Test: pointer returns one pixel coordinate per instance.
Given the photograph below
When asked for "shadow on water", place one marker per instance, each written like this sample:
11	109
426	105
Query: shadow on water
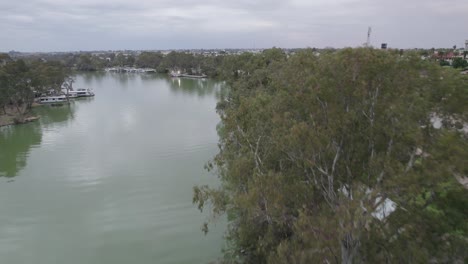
90	77
15	144
124	80
151	76
56	115
17	141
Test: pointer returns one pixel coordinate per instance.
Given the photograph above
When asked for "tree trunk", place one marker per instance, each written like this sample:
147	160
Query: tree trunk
348	249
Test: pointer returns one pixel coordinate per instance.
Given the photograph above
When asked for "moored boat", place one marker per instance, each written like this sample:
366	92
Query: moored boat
52	99
82	92
70	93
178	74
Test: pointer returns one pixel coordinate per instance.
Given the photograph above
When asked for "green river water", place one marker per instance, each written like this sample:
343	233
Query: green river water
109	179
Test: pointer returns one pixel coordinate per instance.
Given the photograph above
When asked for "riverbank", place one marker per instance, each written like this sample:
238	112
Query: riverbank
12	117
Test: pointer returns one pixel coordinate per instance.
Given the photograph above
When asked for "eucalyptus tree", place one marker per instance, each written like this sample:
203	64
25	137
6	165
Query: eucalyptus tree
16	85
149	60
333	158
19	82
4	90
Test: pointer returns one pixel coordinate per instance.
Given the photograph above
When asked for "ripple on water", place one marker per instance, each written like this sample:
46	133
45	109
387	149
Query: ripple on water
83	178
180	151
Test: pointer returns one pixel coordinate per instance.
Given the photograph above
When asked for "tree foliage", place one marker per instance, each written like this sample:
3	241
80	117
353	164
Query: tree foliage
149	60
459	63
313	146
19	82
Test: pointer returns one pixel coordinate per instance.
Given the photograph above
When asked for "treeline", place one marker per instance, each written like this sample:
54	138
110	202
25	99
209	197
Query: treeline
210	65
162	63
180	61
334	158
20	81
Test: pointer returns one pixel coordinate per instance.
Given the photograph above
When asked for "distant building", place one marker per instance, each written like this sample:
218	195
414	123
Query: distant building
383	46
466	44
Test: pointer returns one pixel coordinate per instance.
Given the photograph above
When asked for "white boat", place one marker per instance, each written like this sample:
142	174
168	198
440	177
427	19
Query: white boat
178	74
52	99
130	69
70	93
82	92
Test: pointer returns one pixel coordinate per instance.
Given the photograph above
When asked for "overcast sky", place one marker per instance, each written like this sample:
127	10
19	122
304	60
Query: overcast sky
67	25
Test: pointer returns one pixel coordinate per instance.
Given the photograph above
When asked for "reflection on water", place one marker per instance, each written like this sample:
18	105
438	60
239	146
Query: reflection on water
50	115
190	86
88	78
199	87
17	141
124	79
15	144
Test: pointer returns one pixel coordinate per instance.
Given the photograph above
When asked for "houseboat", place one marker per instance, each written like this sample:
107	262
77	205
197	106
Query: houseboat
183	75
59	99
82	92
70	93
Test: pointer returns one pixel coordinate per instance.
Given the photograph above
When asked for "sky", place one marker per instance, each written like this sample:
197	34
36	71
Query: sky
73	25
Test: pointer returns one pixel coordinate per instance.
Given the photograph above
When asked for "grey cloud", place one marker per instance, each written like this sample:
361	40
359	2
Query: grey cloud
47	25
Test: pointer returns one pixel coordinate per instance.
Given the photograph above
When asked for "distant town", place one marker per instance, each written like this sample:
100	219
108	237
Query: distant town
218	52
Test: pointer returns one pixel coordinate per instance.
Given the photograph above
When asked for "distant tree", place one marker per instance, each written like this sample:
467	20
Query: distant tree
130	61
179	61
4	58
149	60
443	62
85	63
424	53
119	60
459	63
98	63
111	56
48	76
441	54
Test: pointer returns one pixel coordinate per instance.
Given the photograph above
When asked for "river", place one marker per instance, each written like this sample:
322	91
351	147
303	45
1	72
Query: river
109	179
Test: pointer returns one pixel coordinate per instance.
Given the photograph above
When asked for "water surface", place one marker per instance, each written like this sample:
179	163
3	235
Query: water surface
109	179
